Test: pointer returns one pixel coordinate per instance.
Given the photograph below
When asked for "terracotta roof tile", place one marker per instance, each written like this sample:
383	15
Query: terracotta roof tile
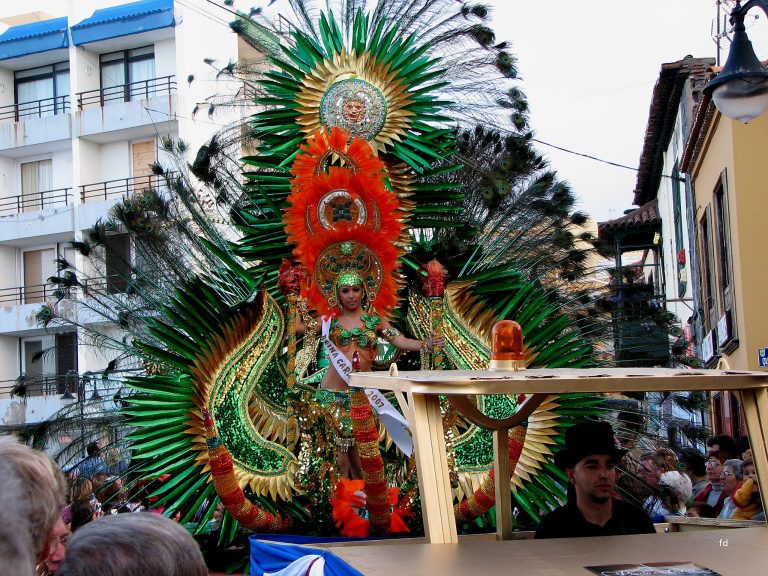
661	121
647	214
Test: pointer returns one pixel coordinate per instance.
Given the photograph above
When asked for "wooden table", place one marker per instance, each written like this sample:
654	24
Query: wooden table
740	552
418	394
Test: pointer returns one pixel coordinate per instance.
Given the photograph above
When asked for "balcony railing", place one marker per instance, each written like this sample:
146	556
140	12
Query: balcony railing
40	293
35	108
35	201
110	284
127	92
45	385
80	386
123	187
33	294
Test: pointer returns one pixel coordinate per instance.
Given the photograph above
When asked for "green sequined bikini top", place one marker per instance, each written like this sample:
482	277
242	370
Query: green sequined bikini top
364	337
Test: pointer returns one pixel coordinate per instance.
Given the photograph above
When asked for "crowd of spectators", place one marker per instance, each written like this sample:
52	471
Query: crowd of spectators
53	525
47	527
721	484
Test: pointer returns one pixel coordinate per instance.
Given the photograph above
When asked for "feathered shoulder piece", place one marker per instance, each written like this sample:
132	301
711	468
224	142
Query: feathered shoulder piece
342	218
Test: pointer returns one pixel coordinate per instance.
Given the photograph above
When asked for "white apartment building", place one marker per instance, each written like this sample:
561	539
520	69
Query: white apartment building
85	100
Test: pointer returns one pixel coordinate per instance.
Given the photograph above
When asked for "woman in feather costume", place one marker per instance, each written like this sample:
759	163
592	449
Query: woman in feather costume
356	176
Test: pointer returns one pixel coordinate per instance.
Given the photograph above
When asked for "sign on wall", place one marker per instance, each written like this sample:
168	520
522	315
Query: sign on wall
708	347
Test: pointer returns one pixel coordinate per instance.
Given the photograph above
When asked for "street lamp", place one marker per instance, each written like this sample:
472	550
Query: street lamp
740	91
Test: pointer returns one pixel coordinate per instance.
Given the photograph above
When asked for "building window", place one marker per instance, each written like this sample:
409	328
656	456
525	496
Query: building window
46	362
679	231
42	91
708	270
128	74
118	262
717	272
39	265
727	309
36	179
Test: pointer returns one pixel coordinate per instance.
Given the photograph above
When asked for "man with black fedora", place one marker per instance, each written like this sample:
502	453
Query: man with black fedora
589	458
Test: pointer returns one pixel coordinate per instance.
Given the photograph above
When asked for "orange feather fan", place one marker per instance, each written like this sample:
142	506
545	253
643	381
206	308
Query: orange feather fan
381	207
330	205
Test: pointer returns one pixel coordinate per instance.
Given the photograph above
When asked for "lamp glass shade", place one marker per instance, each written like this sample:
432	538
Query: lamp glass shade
742	99
507	341
740	90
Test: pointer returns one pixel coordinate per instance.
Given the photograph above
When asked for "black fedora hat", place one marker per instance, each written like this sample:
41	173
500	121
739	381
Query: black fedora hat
586	439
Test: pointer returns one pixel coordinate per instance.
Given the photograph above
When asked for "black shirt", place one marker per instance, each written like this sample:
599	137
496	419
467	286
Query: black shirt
568	522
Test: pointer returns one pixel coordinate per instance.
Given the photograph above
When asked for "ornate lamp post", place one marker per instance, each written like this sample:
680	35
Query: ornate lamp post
740	90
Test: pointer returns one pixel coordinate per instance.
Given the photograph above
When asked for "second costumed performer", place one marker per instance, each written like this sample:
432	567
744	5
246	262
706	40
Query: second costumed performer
346	227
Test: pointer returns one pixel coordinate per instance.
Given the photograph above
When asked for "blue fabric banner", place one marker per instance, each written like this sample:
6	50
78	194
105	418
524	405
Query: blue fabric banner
268	559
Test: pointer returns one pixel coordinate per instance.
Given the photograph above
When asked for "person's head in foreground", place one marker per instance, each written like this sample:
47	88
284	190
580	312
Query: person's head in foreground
15	539
40	490
139	544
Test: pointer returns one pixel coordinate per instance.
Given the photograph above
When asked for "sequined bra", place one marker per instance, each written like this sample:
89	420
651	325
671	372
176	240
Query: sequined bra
364	338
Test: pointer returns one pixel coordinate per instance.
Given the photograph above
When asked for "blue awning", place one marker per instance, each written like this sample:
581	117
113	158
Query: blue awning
33	38
123	20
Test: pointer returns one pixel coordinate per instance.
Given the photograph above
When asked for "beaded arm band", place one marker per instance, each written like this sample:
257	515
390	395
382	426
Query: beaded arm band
390	333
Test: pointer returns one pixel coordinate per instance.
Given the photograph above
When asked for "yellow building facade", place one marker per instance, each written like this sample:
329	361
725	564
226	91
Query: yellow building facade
728	162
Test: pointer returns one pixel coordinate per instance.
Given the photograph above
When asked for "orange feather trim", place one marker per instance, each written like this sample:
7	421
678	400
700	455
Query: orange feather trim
323	147
301	218
344	504
349	498
397	519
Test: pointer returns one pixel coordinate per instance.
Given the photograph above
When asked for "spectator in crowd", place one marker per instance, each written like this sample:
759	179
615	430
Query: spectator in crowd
731	476
693	463
722	446
81	489
652	466
675	489
109	491
747	496
59	537
93	464
82	513
713	493
700	510
15	534
133	545
589	459
751	472
42	495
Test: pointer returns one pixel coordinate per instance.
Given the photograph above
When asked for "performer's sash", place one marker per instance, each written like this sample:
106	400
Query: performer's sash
393	421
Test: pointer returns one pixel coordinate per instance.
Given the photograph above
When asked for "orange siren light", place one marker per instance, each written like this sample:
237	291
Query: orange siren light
507	352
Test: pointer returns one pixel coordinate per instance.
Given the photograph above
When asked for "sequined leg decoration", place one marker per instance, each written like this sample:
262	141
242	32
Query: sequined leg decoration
223	473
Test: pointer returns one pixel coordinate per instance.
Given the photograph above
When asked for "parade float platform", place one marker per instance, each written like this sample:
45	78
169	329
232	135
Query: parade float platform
742	552
442	551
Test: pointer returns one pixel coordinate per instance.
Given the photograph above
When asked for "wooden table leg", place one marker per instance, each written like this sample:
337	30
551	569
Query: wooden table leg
504	520
432	469
755	404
